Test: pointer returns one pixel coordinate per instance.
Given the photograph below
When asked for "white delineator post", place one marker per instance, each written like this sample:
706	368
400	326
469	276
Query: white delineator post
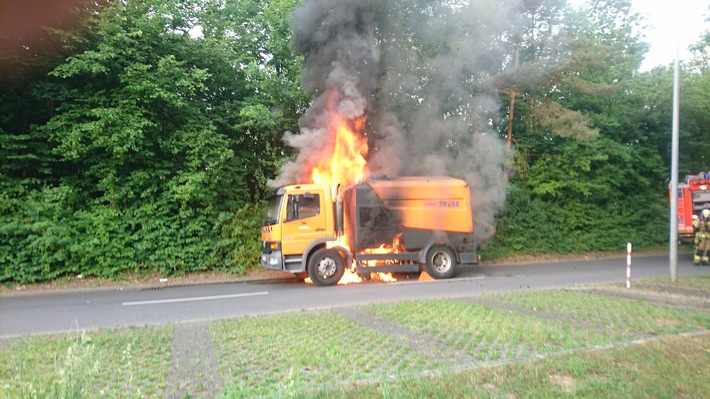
628	265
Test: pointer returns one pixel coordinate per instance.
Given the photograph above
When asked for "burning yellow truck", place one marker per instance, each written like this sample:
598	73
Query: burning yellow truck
398	225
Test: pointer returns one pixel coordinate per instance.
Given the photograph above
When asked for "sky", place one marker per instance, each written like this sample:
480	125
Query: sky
670	22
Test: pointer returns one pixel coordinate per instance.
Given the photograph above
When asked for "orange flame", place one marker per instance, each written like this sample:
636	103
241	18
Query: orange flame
394	248
345	164
351	277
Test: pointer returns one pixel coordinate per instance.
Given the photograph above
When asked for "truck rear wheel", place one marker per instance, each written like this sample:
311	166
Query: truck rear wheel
326	267
440	262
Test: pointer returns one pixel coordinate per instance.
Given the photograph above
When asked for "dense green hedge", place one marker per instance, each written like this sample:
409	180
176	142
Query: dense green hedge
43	237
533	226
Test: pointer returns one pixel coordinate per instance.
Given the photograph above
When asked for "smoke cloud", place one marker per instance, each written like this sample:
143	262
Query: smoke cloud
341	53
415	69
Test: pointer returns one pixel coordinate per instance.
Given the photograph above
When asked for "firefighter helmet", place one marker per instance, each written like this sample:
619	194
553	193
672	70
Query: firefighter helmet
706	213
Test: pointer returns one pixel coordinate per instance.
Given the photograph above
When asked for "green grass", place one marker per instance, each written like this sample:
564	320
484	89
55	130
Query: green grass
273	355
123	363
670	368
609	317
536	344
698	282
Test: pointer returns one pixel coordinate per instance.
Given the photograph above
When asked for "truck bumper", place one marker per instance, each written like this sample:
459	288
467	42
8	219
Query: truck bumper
273	260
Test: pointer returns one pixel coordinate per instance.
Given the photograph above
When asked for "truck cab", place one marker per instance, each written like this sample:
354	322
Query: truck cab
298	217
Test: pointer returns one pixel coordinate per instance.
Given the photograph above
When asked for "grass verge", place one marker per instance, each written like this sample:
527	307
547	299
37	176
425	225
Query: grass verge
669	368
555	343
123	363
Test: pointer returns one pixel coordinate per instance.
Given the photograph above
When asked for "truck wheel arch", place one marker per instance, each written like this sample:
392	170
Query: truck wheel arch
322	243
446	243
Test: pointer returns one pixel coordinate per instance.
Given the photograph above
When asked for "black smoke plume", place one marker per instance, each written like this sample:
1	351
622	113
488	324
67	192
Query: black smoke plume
414	68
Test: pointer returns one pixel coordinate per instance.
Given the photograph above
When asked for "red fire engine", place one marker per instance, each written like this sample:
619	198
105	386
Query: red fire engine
693	197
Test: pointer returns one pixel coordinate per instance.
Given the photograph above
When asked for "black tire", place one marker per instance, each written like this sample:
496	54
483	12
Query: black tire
326	267
440	262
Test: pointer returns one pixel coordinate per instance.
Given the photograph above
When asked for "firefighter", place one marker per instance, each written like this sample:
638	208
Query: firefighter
702	252
696	239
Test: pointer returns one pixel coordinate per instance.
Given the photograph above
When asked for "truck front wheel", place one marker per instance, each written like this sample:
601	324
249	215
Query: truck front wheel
326	267
440	262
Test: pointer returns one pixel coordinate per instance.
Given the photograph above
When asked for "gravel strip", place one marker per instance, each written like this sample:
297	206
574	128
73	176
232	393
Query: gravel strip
194	370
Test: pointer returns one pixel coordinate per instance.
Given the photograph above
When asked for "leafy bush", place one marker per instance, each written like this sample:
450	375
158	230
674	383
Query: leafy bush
43	237
535	226
240	243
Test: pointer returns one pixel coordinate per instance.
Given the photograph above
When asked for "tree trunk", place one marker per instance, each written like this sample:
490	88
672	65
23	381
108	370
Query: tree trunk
511	114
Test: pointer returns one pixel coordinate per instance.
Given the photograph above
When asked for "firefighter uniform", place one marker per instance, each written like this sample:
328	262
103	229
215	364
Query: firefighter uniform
696	241
702	252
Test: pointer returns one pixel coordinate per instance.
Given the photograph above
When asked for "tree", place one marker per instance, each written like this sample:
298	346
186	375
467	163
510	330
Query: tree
578	195
694	150
157	145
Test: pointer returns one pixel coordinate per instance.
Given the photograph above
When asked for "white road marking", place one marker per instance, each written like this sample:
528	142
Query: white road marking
193	299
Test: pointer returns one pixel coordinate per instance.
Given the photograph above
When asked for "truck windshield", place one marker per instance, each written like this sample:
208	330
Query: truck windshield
272	210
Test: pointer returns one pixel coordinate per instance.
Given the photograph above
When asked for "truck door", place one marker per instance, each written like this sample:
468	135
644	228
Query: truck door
305	221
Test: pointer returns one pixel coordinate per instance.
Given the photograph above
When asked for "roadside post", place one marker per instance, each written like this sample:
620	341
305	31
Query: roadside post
628	265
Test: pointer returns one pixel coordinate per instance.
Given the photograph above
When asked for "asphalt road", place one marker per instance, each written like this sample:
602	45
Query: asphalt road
62	312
